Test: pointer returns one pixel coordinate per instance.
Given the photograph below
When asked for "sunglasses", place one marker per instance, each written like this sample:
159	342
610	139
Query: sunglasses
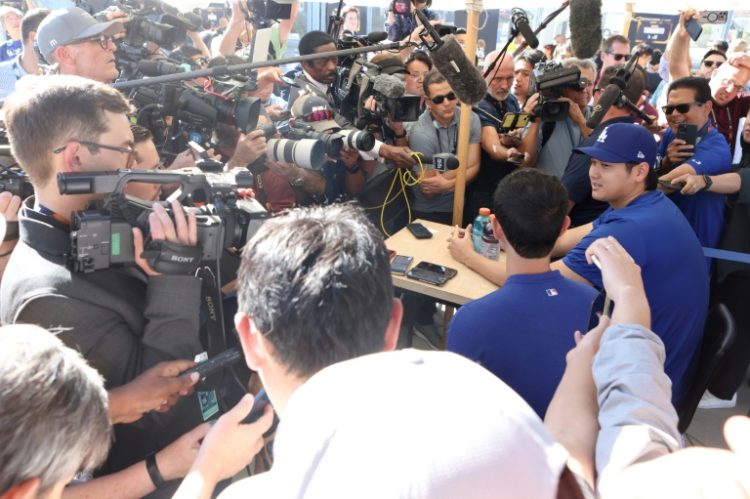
319	115
440	98
619	57
102	39
680	108
710	64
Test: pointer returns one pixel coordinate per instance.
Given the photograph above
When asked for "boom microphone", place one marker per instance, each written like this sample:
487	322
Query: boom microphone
450	60
585	27
610	96
159	68
521	22
390	86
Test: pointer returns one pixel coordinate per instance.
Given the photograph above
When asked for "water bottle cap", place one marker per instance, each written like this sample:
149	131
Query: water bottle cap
484	211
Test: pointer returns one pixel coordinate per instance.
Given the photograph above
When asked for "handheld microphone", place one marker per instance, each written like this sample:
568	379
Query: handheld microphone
159	68
443	161
585	27
521	22
451	61
613	94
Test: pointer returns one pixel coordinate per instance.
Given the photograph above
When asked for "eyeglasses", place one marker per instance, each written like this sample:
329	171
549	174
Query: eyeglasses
710	64
619	57
102	39
129	150
596	90
440	98
680	108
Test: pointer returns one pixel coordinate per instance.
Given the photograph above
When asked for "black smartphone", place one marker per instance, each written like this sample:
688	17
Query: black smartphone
516	158
419	231
259	403
669	185
602	306
400	263
694	29
687	132
431	273
216	363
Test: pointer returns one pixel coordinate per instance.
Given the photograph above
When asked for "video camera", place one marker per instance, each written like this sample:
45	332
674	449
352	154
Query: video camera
15	181
550	79
266	12
102	238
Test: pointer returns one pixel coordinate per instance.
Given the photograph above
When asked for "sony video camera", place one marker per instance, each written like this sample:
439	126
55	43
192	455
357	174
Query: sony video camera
102	238
550	79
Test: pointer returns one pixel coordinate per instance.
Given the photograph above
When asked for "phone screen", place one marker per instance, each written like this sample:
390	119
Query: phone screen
400	263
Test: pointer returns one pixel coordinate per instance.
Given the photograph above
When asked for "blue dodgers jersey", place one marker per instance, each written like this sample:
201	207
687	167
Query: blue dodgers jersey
704	210
659	238
522	332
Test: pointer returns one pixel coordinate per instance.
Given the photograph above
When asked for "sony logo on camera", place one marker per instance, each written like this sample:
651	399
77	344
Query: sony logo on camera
182	259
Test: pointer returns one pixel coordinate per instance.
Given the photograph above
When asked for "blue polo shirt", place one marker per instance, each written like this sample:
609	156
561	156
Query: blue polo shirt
704	210
522	331
660	240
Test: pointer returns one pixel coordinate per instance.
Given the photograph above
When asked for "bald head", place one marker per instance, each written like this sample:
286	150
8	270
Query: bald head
500	79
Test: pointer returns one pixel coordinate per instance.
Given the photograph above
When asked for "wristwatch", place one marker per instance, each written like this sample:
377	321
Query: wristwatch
708	182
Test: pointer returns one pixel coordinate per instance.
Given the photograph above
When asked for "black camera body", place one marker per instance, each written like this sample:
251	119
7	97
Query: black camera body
265	12
550	79
102	238
15	181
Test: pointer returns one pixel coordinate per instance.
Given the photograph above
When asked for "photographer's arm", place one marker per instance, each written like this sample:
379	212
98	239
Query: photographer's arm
9	206
198	43
228	44
173	462
678	47
492	145
285	25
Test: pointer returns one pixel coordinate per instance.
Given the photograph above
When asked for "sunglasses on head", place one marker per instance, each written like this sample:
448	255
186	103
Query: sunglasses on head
619	57
680	108
438	99
318	115
710	64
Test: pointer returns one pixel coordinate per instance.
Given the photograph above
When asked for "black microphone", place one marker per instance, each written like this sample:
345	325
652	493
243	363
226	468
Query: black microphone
585	27
443	161
610	96
521	22
450	60
376	37
159	68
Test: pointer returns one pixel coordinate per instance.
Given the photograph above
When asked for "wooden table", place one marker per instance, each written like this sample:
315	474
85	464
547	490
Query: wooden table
466	286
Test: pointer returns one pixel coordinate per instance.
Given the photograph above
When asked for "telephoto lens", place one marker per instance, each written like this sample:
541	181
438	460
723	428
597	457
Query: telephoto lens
357	139
307	153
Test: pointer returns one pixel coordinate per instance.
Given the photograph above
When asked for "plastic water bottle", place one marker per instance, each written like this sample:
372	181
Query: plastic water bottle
477	228
490	245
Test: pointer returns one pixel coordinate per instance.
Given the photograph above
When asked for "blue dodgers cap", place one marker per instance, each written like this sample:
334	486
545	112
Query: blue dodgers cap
623	143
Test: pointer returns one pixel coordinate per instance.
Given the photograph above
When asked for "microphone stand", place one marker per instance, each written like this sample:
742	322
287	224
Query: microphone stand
541	27
225	70
334	23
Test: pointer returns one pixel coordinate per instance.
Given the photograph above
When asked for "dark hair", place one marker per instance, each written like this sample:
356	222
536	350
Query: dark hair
607	44
531	207
140	134
530	57
721	46
652	180
431	78
317	283
655	57
31	21
640	49
312	40
189	50
636	84
421	56
696	83
713	52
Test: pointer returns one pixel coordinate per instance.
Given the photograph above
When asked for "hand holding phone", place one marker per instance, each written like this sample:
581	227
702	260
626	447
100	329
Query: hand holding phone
694	29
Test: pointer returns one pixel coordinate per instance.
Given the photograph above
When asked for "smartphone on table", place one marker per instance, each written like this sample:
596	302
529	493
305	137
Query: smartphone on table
431	273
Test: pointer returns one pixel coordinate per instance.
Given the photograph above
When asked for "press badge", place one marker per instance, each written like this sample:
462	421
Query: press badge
207	400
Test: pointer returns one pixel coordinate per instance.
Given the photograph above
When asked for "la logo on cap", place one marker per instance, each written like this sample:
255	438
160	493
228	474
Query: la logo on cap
641	155
603	137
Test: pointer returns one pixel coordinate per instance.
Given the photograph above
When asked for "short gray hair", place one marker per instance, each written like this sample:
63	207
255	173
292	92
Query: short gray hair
573	62
54	419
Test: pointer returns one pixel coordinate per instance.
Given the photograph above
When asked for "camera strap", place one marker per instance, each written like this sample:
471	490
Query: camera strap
172	258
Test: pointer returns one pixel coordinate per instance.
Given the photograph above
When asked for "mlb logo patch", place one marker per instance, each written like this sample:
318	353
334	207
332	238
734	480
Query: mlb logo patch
551	292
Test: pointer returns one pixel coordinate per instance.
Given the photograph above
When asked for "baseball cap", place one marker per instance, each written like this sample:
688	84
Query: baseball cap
70	25
623	143
308	106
